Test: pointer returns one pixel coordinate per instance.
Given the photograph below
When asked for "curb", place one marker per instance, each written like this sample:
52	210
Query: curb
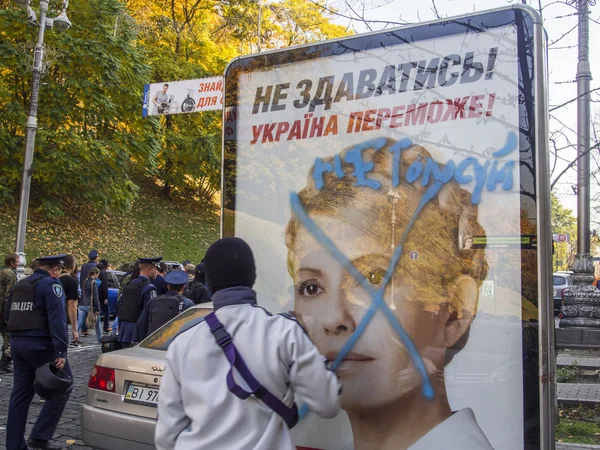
574	402
569	445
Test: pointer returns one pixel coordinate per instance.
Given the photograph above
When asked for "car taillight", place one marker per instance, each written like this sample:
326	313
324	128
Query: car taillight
102	378
562	294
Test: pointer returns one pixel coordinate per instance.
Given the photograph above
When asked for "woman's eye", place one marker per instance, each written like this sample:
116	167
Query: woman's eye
309	288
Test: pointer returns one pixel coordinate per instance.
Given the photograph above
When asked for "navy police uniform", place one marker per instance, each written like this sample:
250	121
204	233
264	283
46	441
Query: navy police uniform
160	284
134	298
165	307
85	269
35	313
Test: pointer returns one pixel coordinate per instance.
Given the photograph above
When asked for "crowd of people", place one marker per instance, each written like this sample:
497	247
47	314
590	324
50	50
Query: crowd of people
281	359
86	295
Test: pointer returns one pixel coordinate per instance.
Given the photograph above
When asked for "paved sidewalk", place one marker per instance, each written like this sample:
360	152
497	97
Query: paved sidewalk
573	394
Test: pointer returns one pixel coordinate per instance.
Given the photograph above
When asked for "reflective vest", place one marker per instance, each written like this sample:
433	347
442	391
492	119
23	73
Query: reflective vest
24	314
131	301
164	308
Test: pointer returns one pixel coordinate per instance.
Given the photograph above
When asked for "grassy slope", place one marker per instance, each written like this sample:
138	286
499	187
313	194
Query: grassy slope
154	226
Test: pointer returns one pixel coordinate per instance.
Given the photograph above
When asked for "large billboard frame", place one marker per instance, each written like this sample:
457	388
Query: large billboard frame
528	20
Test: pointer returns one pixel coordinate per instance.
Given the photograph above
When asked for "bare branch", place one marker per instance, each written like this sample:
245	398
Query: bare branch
572	164
335	13
362	19
435	10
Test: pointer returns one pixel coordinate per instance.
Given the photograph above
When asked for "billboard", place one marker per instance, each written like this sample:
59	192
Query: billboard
392	187
187	96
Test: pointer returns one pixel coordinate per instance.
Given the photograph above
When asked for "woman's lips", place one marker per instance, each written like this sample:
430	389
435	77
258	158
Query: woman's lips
350	362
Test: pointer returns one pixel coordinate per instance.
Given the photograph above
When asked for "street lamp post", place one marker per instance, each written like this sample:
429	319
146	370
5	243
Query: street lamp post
581	307
61	23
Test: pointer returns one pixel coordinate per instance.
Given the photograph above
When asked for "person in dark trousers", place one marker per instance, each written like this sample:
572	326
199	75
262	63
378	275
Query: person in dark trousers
165	307
159	282
83	274
72	296
37	323
196	290
135	297
103	293
90	301
8	278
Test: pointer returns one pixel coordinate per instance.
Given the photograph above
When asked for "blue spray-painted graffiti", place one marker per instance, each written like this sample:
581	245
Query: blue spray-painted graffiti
428	170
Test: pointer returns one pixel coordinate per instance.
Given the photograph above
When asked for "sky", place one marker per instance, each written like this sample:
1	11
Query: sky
559	18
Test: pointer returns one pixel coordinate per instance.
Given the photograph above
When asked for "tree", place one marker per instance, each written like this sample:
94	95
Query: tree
90	127
92	142
563	222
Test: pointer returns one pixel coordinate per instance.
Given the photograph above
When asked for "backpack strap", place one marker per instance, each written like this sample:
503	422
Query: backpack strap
223	338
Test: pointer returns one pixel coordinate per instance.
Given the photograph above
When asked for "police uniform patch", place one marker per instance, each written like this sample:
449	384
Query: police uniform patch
57	289
152	293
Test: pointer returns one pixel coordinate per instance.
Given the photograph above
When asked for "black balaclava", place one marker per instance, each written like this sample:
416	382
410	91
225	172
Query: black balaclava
228	263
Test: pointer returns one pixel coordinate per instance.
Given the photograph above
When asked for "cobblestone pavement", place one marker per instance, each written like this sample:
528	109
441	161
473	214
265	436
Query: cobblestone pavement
82	360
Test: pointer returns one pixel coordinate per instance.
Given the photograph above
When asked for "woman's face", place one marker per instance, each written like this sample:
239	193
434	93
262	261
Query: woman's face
330	303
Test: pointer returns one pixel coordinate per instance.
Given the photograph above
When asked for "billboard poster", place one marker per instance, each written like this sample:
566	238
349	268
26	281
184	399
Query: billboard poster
187	96
388	185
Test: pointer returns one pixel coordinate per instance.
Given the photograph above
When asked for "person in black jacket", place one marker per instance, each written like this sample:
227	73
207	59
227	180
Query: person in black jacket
35	312
159	282
161	309
90	303
196	290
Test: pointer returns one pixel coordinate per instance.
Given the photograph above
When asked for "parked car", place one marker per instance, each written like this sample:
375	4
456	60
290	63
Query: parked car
128	267
122	396
114	283
560	281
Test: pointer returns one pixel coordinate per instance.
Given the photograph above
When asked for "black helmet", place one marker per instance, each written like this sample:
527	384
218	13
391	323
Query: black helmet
51	382
110	344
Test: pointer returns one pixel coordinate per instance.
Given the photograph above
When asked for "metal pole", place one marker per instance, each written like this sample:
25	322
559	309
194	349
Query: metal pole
581	304
30	136
584	76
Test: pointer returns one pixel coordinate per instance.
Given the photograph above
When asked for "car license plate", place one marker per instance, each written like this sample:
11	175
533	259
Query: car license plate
145	395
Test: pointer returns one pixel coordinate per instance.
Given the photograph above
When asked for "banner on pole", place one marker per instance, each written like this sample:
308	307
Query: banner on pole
187	96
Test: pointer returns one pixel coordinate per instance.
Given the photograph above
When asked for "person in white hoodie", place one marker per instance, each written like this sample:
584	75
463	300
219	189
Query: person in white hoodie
232	380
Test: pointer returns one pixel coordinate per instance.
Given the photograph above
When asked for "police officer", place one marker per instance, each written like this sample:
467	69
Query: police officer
85	269
135	297
36	318
163	308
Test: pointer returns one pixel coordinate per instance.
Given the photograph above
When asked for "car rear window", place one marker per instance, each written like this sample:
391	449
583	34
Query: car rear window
558	281
113	282
162	338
